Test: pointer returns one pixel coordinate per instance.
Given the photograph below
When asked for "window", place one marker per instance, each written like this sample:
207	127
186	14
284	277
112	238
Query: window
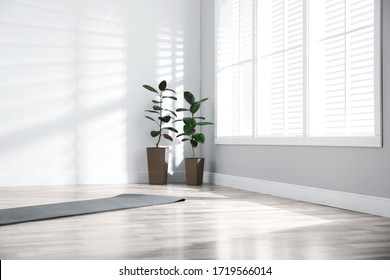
298	72
236	66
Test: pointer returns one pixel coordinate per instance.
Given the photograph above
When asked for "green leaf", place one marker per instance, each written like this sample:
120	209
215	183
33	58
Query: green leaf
203	100
167	136
191	122
204	123
194	107
150	88
150	111
177	120
199	137
194	144
165	119
150	118
171	97
181	134
185	139
170	90
156	102
200	118
173	113
157	108
163	85
181	110
154	133
188	96
171	129
189	130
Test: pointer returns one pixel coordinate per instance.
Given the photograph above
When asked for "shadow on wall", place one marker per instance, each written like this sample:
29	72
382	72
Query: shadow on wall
70	75
170	67
63	76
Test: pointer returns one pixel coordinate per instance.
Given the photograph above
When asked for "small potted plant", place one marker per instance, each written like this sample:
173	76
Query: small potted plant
162	117
194	166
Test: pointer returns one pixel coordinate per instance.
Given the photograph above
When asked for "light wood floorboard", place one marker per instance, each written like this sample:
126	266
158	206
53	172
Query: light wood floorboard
213	223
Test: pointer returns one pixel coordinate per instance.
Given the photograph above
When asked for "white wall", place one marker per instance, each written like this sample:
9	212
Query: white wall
71	101
362	171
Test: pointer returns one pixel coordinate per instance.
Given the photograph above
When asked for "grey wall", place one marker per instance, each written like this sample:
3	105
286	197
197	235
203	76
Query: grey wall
355	170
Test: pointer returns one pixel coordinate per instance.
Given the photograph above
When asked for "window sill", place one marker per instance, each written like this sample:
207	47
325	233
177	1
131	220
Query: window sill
369	141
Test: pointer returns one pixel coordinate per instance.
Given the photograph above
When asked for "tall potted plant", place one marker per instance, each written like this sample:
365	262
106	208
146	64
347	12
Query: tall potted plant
158	156
191	134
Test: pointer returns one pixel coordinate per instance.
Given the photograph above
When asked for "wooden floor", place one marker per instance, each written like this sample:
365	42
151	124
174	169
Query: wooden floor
213	223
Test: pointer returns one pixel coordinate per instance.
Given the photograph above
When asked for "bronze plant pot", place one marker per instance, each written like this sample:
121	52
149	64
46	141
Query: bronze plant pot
157	165
194	171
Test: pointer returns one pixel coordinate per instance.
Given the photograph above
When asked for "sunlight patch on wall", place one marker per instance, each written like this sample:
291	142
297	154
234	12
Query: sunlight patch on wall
170	67
62	82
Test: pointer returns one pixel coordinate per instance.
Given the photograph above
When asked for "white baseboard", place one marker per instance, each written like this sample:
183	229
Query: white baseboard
356	202
82	179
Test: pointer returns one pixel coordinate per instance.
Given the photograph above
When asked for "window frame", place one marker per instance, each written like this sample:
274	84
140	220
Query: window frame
330	141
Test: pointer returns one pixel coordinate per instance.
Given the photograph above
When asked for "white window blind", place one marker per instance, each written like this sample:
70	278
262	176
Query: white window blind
342	66
235	67
280	91
298	69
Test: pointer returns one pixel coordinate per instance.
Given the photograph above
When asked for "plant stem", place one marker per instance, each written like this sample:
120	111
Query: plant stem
193	148
159	137
160	125
193	152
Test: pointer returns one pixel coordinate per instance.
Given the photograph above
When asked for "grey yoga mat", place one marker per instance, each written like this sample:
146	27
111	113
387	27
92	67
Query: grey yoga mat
74	208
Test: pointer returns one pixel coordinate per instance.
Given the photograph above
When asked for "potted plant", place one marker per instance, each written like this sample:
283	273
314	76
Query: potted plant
194	166
158	156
